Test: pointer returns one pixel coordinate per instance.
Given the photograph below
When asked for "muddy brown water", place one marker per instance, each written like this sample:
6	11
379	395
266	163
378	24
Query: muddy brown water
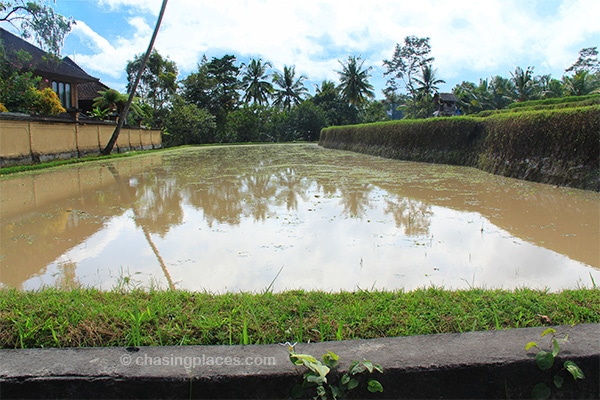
282	217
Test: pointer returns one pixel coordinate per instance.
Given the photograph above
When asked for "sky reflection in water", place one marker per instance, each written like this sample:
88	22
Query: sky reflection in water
285	217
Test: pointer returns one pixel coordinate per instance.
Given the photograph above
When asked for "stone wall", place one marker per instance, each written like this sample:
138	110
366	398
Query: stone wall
28	140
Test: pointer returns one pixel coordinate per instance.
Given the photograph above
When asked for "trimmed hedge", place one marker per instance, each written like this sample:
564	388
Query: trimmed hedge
441	140
559	146
556	100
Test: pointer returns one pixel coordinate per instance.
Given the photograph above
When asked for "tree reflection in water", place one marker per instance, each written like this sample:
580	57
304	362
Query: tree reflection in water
328	216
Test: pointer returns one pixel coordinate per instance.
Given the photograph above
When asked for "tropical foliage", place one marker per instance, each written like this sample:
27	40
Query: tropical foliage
19	88
36	19
227	101
354	82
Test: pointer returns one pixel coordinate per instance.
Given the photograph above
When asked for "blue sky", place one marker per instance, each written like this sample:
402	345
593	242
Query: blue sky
470	39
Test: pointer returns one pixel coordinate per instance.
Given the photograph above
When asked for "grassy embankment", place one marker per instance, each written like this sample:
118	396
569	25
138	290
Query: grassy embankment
549	141
89	317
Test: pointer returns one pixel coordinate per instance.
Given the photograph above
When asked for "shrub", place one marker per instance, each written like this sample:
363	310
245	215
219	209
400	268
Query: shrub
188	124
2	108
46	102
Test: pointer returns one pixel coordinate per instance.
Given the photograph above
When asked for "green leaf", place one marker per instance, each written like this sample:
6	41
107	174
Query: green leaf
345	379
330	359
303	357
558	381
356	368
530	345
555	347
374	386
336	392
352	384
544	360
368	365
548	331
320	369
378	367
574	370
321	392
541	391
319	380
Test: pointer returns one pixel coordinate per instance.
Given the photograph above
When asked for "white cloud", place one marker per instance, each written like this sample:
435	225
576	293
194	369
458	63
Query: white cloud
470	39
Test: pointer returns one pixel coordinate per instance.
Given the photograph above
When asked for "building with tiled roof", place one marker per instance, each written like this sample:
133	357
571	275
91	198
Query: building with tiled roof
64	76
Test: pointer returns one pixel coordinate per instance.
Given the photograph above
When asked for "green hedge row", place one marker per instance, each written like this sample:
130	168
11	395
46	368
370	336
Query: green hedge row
555	100
582	101
559	146
441	140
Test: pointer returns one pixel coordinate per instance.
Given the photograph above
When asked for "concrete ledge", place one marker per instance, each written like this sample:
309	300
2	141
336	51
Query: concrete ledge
490	364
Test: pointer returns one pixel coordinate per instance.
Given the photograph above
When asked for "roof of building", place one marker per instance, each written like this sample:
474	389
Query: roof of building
42	62
89	90
449	97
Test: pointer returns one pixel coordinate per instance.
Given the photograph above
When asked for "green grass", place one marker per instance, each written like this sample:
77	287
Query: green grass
56	163
89	317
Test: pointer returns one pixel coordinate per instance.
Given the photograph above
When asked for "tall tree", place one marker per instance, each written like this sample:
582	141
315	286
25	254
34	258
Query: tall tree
35	18
354	81
427	85
289	91
214	87
407	61
406	64
524	83
337	111
587	61
158	83
581	83
121	121
255	82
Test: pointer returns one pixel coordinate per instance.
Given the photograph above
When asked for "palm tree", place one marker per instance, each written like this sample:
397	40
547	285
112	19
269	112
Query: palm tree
428	84
500	90
354	82
254	82
524	83
113	139
290	91
580	84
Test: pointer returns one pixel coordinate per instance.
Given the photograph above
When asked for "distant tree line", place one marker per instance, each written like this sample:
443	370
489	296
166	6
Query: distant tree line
225	101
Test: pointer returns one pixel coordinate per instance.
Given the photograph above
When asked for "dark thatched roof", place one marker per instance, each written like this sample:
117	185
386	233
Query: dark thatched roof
445	97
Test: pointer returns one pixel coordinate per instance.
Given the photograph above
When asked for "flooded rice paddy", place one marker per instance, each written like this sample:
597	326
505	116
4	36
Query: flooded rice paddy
282	217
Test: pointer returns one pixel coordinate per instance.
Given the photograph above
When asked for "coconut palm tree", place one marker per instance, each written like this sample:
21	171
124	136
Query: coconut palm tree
354	82
113	139
524	83
581	83
428	83
254	82
289	90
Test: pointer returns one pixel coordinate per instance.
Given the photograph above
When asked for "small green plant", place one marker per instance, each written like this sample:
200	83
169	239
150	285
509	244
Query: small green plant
137	319
100	113
318	384
545	361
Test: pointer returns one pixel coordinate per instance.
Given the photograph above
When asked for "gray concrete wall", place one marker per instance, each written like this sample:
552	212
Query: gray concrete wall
491	364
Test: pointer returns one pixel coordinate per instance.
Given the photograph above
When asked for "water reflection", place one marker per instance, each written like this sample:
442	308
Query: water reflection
229	218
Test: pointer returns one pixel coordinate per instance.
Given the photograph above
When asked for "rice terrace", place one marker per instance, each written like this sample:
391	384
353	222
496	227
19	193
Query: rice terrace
231	227
289	217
